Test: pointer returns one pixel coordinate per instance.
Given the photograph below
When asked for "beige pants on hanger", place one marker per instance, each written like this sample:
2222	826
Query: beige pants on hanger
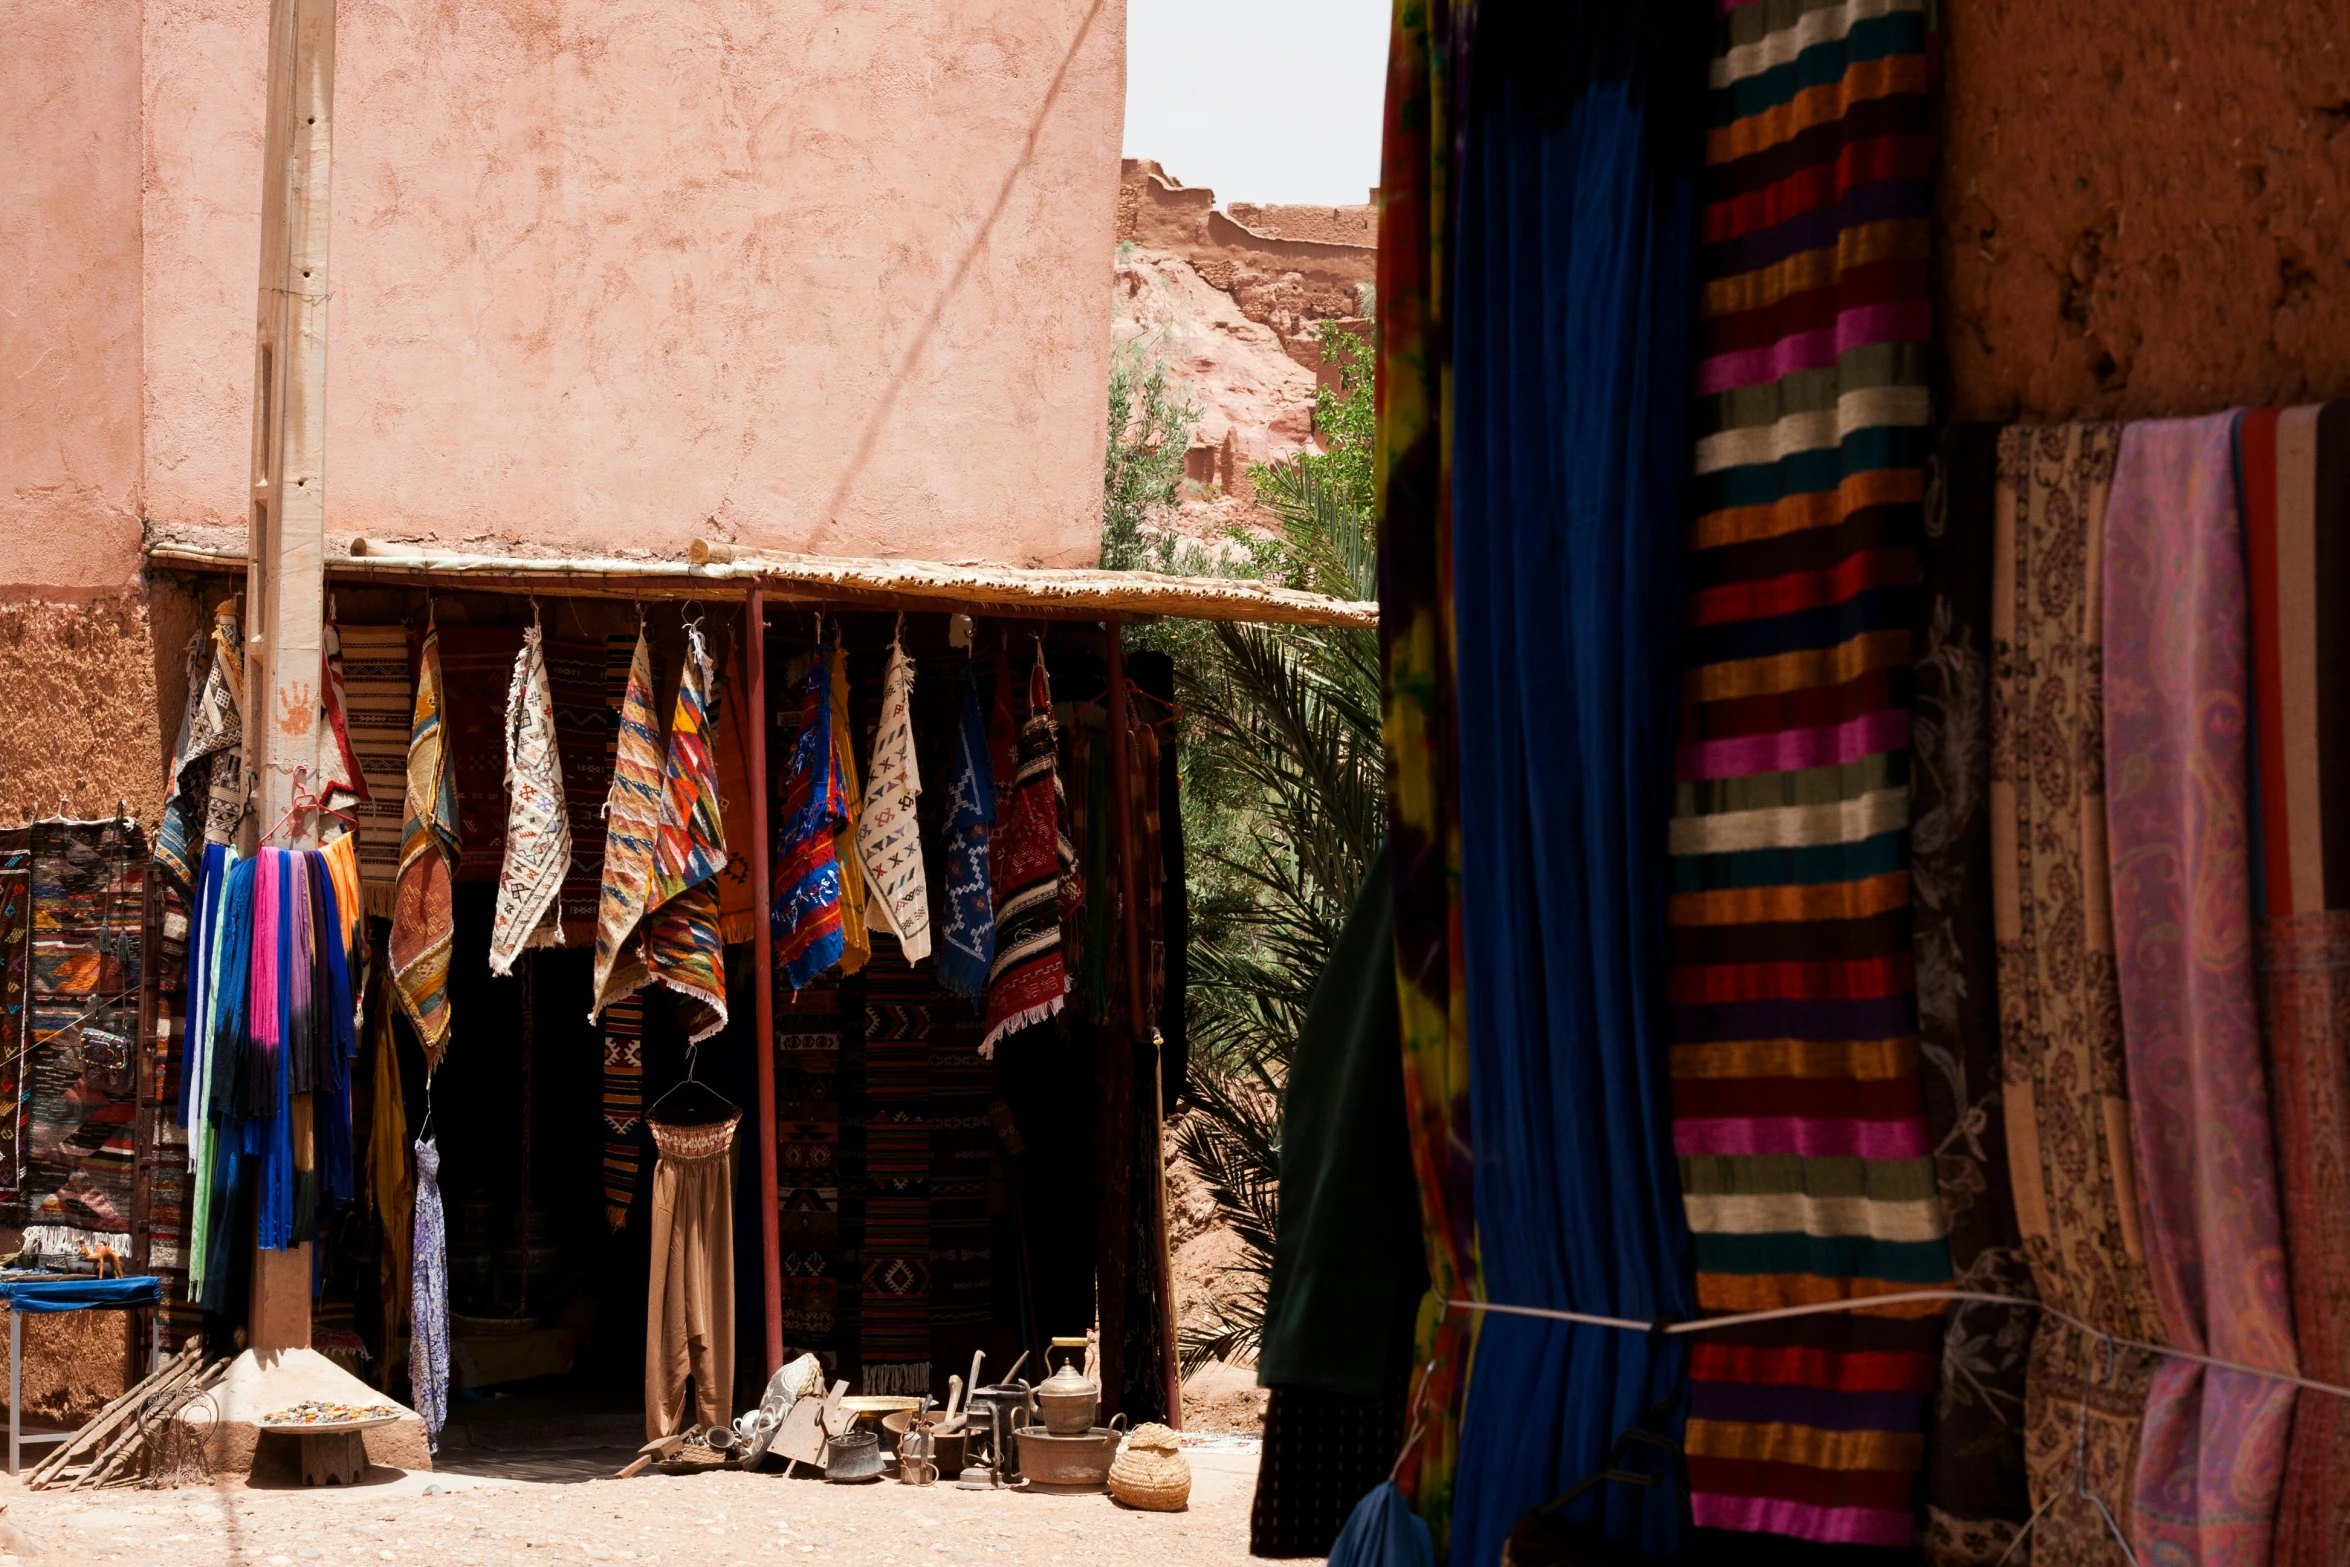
689	1304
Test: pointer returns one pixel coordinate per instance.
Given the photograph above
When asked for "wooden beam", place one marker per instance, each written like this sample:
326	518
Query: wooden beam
285	585
763	970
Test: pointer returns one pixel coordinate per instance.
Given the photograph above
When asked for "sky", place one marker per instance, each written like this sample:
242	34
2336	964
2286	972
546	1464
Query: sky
1265	100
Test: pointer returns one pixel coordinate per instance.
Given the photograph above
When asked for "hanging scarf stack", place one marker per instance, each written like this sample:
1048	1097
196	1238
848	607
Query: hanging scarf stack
538	830
423	918
967	941
632	830
1028	983
805	919
888	848
683	947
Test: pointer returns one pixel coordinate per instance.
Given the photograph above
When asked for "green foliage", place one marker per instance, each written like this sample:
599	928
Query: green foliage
1284	808
1142	466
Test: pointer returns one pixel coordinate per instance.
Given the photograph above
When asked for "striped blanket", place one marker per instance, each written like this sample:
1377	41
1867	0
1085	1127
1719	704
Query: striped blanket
1029	983
1797	1114
378	703
632	825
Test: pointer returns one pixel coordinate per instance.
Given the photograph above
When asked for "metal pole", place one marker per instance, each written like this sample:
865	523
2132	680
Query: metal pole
763	960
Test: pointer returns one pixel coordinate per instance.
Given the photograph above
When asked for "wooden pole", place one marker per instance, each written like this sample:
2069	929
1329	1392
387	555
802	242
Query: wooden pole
763	960
285	593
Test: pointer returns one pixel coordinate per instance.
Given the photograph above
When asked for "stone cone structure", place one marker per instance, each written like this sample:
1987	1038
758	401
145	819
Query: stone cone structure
260	1382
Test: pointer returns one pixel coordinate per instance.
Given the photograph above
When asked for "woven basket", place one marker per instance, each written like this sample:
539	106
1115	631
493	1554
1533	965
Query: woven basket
1151	1473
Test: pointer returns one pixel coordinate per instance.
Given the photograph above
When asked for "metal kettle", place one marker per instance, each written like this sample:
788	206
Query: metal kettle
1068	1400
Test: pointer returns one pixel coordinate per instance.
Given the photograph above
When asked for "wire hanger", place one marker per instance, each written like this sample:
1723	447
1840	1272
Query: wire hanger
2080	1474
715	1106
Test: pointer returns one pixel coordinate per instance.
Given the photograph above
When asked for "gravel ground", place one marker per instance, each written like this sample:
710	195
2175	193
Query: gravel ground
711	1519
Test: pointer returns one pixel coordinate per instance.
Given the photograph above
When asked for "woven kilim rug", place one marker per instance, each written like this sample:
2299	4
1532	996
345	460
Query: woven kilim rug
477	666
807	1158
81	1092
893	1329
584	724
962	1160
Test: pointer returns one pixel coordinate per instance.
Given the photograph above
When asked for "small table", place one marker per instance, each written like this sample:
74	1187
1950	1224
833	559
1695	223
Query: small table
46	1297
333	1452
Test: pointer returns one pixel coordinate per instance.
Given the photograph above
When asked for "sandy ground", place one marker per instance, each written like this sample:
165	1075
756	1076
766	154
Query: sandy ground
708	1519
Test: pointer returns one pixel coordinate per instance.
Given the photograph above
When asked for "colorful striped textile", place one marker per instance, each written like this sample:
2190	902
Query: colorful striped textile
2211	1460
632	827
1029	983
2294	471
805	916
424	920
1977	1498
2063	1072
379	708
856	941
684	951
1417	180
889	845
691	847
966	934
538	827
1798	1115
624	1104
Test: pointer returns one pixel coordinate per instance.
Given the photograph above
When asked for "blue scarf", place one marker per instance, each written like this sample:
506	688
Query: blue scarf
966	947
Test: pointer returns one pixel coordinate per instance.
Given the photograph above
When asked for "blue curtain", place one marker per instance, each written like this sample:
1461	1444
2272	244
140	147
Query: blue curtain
1572	378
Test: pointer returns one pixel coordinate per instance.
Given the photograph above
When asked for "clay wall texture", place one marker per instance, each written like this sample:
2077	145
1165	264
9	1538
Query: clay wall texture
2144	208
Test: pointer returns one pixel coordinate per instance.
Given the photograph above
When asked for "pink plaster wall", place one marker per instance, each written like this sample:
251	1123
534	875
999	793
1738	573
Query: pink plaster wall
617	273
69	298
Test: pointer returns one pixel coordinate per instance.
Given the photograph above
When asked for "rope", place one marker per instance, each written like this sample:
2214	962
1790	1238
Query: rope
1904	1297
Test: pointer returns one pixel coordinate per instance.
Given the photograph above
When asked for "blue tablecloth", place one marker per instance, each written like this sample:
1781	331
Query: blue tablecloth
39	1296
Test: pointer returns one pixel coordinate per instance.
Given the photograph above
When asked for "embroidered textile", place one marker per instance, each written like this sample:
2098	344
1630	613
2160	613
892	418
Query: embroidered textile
343	783
856	944
1028	983
966	937
805	919
2177	679
2294	472
538	830
888	841
2064	1078
423	917
624	1104
80	1073
379	708
632	826
428	1310
1976	1494
1798	1114
1418	182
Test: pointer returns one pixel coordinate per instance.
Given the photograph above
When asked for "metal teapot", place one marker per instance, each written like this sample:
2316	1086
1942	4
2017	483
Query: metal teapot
1068	1400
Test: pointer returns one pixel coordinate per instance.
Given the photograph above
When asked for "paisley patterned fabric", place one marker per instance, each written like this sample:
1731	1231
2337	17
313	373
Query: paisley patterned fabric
2062	1067
428	1302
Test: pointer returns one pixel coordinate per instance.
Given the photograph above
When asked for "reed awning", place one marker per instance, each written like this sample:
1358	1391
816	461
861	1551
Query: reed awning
718	571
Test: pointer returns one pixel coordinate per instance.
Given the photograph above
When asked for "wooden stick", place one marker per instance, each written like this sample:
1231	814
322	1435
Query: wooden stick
132	1432
125	1445
112	1415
